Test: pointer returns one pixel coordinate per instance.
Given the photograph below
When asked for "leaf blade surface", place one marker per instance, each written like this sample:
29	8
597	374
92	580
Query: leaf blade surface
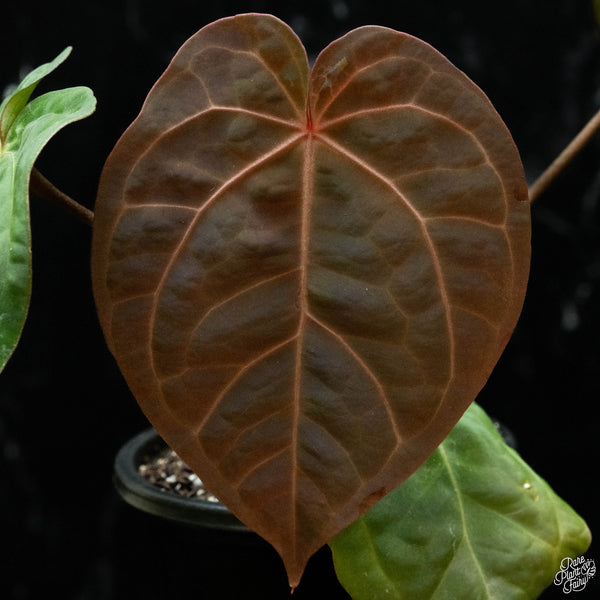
296	310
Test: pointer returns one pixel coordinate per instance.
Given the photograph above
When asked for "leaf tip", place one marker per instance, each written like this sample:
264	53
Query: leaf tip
65	53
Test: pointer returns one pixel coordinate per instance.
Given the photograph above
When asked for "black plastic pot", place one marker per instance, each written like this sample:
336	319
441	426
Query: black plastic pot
140	493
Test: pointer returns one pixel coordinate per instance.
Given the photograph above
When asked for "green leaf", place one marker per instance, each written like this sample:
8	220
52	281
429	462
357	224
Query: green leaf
473	522
26	128
14	103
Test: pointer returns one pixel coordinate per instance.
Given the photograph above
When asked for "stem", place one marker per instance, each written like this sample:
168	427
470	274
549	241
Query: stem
42	187
564	158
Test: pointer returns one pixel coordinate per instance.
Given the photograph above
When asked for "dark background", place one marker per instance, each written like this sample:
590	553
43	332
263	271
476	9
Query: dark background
64	408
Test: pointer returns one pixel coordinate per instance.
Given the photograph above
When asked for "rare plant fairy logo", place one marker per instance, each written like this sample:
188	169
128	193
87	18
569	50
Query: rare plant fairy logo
574	574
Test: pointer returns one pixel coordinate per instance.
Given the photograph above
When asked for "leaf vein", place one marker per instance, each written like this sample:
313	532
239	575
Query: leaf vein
463	518
237	294
368	66
266	67
243	369
426	236
193	223
366	369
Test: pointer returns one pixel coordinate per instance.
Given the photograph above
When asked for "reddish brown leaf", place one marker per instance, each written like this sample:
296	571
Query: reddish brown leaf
307	278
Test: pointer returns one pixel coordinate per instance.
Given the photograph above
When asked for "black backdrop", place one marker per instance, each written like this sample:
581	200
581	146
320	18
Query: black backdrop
64	408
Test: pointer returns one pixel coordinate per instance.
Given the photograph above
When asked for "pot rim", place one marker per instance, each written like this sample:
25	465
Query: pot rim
137	491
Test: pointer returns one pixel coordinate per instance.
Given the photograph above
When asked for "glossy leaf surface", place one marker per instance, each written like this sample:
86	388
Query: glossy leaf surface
473	522
25	128
306	277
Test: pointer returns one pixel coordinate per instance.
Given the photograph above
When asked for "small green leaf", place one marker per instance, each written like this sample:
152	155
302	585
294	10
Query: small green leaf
14	103
473	522
26	128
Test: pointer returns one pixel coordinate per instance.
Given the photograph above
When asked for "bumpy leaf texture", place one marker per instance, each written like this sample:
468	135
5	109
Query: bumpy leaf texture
306	276
490	528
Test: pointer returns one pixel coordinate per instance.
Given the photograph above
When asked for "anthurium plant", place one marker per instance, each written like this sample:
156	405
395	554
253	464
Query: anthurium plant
306	275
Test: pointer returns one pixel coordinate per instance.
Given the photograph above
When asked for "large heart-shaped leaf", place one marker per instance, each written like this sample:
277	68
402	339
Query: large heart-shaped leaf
473	522
306	277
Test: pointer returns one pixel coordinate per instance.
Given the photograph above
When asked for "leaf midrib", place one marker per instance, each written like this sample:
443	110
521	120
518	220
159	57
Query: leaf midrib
463	519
